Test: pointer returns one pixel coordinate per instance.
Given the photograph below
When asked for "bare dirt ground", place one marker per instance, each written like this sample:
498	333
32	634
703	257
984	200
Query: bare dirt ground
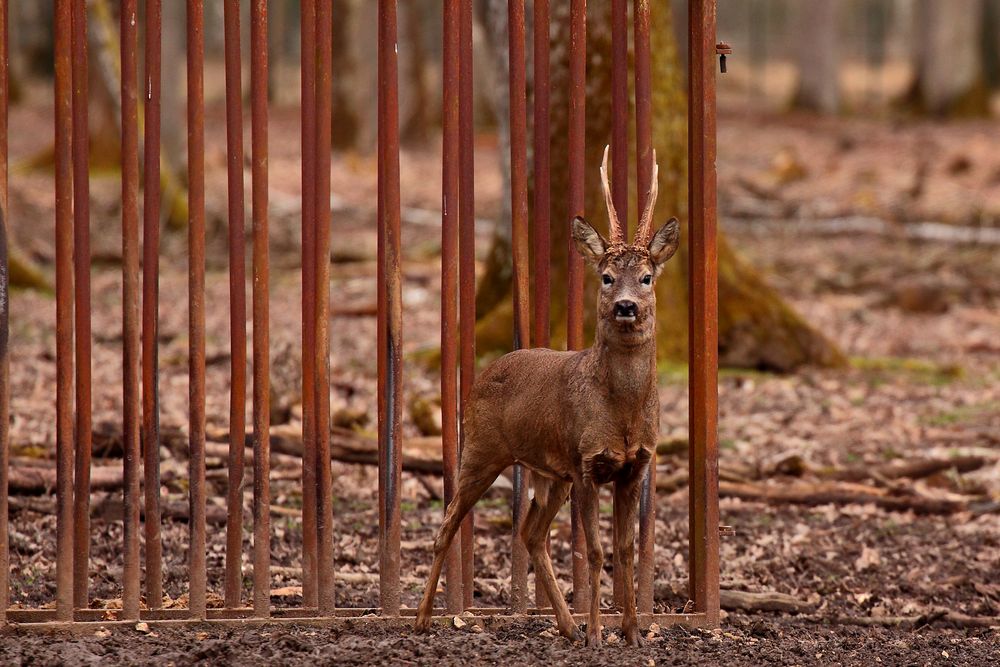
919	319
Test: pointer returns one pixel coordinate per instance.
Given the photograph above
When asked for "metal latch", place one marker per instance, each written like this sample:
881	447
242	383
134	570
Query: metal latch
722	49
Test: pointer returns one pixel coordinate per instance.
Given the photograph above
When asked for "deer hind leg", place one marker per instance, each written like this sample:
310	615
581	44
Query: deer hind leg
473	480
549	497
627	498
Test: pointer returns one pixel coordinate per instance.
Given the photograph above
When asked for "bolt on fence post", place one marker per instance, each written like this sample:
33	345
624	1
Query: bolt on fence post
130	310
703	463
308	104
237	306
197	575
449	290
81	263
644	177
574	297
4	322
150	305
64	312
390	314
519	247
324	495
466	269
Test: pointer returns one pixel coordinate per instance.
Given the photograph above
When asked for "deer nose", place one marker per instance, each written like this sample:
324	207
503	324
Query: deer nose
626	309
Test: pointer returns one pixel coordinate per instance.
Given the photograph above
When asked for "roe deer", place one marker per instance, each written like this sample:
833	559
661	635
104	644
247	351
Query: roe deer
586	418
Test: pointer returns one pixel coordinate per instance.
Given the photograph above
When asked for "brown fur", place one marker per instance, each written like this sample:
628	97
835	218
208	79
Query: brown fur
587	418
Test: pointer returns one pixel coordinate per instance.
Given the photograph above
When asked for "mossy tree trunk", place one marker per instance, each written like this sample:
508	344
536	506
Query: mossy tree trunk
948	53
756	328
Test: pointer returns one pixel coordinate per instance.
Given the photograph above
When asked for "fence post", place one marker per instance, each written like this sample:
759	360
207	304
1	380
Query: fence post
390	314
197	576
574	263
150	304
261	316
81	264
308	104
703	315
64	312
130	310
237	306
4	325
644	177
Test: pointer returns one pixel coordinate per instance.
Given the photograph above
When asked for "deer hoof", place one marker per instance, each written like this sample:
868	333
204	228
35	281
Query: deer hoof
423	623
571	633
632	637
594	638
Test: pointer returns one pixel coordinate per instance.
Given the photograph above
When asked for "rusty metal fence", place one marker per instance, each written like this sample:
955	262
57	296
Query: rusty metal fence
140	380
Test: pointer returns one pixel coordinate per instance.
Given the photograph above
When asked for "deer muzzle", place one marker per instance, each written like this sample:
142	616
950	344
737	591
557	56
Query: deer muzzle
626	311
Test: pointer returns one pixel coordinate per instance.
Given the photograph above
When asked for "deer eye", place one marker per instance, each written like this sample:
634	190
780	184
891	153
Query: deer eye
607	279
647	279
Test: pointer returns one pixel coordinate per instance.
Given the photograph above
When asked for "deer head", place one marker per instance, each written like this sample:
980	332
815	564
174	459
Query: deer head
626	307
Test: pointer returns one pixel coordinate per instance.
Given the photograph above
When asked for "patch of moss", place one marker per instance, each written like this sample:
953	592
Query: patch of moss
918	370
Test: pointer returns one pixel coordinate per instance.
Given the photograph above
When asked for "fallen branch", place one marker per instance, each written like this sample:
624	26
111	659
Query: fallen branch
420	455
34	480
939	616
837	493
764	601
915	469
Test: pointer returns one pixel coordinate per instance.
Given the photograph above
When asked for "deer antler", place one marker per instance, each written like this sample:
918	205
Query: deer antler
615	231
645	230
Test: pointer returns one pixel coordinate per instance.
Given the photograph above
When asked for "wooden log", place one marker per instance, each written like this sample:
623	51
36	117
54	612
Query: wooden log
937	617
764	601
837	493
34	480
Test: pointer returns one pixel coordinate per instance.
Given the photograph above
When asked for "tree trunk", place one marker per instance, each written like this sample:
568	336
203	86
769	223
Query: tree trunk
819	86
948	53
345	116
756	328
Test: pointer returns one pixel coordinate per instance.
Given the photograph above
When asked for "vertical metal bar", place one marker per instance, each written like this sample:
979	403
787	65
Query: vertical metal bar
308	102
541	241
703	317
541	238
466	267
150	305
4	323
196	304
449	290
519	245
574	297
130	310
619	109
381	314
644	176
64	314
261	324
324	495
391	312
81	261
619	176
237	305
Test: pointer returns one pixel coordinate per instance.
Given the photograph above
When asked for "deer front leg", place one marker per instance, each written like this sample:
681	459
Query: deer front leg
589	502
627	498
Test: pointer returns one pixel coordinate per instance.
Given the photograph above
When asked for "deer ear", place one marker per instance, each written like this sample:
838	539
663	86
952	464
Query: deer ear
589	242
664	243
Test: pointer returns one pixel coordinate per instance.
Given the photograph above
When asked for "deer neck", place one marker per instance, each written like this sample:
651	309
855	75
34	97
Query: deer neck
629	372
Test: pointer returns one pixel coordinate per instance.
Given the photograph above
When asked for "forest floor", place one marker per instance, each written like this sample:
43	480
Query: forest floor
918	318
